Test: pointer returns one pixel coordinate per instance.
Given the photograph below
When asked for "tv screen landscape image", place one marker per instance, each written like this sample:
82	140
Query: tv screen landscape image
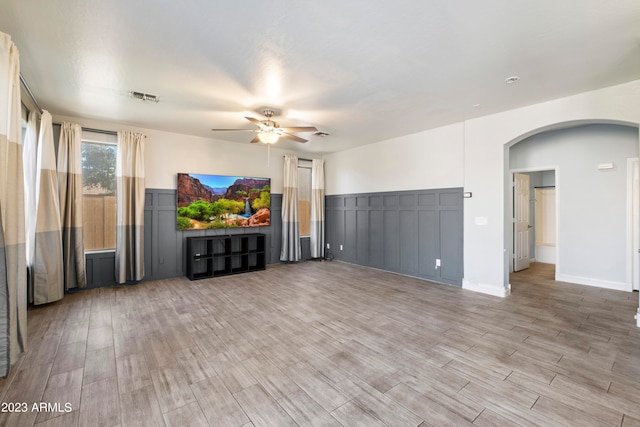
221	201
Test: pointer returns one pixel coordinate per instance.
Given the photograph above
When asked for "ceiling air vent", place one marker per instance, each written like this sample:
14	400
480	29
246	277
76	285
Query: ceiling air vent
145	96
320	133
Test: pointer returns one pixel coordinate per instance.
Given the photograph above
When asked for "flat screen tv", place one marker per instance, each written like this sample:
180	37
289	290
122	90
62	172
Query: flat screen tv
220	201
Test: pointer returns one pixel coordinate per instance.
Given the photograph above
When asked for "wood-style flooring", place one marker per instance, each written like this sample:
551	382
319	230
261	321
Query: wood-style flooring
327	343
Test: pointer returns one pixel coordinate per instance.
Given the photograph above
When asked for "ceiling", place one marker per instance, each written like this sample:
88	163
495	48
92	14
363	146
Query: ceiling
359	70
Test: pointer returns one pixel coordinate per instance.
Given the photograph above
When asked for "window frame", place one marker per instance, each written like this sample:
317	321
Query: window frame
88	140
305	164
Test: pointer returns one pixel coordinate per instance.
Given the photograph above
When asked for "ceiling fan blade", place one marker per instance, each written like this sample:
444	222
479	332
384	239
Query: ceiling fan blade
300	129
254	121
293	137
255	139
233	130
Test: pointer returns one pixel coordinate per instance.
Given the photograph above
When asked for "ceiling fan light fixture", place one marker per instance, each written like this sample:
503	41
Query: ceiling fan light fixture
268	137
269	131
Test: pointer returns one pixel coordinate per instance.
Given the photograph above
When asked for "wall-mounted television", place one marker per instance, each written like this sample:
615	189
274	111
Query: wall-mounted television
221	201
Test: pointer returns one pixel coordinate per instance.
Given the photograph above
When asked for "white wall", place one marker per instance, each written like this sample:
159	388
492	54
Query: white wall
167	154
591	223
430	159
486	248
548	178
474	154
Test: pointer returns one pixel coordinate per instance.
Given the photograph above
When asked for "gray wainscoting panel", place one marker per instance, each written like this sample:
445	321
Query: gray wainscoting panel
408	241
164	257
305	247
350	239
362	235
100	269
376	254
404	232
428	237
274	237
450	244
390	239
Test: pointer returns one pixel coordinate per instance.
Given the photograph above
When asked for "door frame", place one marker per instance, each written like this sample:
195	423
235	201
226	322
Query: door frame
556	170
633	226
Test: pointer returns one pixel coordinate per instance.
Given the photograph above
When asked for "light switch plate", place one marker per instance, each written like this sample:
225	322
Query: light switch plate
482	220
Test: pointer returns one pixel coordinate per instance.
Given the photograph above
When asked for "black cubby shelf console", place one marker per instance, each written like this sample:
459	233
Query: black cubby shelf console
213	256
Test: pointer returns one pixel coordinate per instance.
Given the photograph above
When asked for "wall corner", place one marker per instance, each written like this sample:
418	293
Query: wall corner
484	288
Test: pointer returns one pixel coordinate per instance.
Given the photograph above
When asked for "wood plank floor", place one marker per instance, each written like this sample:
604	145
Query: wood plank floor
327	343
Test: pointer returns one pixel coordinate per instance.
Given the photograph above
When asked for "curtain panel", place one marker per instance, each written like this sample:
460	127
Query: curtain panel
70	191
291	250
130	207
317	209
48	278
13	267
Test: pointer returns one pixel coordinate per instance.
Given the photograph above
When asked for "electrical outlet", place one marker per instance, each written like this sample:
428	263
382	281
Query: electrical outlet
340	247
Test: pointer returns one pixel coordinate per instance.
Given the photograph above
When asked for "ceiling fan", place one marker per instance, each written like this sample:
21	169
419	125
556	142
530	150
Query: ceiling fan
270	131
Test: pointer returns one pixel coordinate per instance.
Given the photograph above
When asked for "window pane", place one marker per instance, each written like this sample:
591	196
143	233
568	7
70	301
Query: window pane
304	200
24	115
99	195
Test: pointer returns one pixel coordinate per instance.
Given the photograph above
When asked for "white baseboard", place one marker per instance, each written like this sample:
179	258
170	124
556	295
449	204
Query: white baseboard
589	281
486	289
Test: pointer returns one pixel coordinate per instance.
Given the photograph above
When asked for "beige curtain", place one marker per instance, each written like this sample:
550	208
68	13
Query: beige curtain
70	191
130	207
48	279
13	267
290	250
317	209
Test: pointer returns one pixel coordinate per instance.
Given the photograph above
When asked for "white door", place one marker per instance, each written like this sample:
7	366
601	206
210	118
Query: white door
521	221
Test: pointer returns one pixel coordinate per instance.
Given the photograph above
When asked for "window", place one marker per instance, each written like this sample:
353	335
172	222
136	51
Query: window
99	192
24	115
304	197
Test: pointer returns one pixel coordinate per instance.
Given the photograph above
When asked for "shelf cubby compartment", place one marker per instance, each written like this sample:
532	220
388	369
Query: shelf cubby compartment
211	256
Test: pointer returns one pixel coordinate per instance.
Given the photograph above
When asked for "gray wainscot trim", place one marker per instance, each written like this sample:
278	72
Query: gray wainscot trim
405	232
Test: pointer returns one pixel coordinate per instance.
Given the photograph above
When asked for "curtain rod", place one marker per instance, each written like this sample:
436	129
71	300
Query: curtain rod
300	158
33	98
106	132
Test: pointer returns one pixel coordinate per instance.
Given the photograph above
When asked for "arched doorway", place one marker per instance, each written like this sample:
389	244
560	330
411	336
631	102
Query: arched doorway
593	198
